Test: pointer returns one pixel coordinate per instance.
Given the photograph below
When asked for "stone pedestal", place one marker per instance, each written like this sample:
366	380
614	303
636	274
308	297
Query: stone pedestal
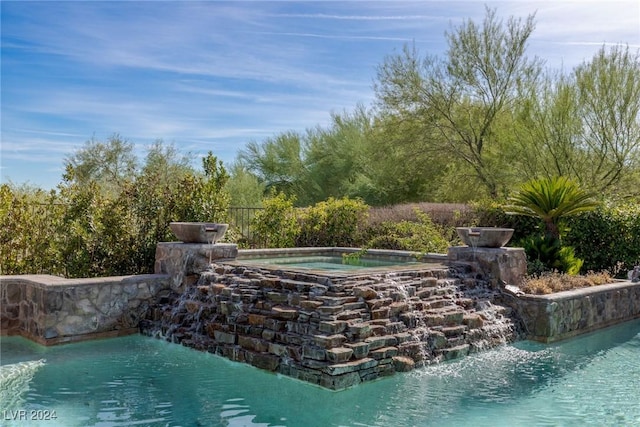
500	265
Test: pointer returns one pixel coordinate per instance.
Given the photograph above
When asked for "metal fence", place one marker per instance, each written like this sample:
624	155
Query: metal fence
240	219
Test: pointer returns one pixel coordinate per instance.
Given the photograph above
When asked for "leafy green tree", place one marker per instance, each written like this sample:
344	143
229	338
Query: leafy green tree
465	99
399	166
337	156
244	187
212	196
585	125
609	104
109	163
169	189
327	161
278	162
29	219
551	199
114	229
95	235
547	131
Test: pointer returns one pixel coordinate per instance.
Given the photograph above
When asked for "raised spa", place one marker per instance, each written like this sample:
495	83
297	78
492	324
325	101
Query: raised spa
335	260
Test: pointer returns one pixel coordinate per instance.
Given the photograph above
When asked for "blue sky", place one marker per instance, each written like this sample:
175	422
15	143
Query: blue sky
215	75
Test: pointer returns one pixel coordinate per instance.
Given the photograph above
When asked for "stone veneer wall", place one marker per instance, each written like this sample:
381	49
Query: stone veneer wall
52	310
549	318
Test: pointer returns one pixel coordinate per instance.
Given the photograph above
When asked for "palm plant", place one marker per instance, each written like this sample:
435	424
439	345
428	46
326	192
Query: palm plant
551	199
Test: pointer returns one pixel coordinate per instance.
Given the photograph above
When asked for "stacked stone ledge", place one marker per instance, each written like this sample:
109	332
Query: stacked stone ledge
334	332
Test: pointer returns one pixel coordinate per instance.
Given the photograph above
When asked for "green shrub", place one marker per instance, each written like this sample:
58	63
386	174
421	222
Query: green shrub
333	223
423	236
29	220
276	225
91	228
607	238
551	200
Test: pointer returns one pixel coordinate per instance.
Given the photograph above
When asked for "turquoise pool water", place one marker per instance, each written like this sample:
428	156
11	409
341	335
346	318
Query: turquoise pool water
140	381
320	262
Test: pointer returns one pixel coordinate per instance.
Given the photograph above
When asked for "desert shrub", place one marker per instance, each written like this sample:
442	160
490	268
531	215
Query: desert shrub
557	282
444	214
334	222
276	225
607	238
421	236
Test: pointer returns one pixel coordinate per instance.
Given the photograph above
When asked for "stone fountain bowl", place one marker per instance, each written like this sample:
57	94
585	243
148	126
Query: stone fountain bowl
484	237
198	232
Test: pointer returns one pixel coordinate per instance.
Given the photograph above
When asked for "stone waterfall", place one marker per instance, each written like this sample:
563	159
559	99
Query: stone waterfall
335	332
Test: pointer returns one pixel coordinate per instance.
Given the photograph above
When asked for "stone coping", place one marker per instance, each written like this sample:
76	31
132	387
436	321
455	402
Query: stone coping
205	246
389	254
579	292
49	280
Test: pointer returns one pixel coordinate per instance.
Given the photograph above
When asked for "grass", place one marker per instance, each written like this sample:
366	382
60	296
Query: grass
549	283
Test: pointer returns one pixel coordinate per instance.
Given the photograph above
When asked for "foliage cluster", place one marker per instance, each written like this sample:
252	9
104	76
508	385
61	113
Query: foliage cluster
546	253
29	221
473	123
276	225
109	213
333	223
607	238
550	200
421	236
342	223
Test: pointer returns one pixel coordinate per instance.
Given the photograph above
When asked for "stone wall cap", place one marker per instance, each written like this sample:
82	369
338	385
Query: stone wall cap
49	280
582	292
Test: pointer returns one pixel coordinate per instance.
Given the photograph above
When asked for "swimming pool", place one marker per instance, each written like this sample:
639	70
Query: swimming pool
135	380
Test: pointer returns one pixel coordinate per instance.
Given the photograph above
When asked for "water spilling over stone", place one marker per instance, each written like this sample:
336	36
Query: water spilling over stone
335	332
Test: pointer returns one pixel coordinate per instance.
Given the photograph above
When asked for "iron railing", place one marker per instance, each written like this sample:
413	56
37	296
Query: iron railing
240	219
